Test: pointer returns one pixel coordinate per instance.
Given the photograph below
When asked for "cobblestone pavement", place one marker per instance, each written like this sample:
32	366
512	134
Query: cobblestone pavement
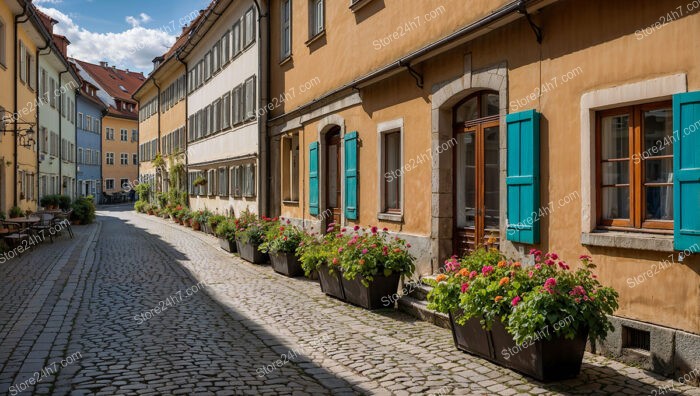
84	316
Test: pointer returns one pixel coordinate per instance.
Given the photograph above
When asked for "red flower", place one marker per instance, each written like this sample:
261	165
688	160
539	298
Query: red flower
465	287
515	300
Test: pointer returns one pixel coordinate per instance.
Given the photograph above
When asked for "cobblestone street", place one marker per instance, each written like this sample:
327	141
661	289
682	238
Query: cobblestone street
84	316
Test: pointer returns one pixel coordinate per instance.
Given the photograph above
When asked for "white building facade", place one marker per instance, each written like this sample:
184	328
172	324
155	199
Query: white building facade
224	117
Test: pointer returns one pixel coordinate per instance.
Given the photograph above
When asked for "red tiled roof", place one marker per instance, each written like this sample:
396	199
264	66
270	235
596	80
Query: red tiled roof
119	84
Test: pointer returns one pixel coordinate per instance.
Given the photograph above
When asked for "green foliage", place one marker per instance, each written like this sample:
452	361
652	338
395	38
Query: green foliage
49	200
215	220
281	237
226	229
84	210
16	211
64	202
251	230
200	181
158	161
317	249
144	191
141	206
370	252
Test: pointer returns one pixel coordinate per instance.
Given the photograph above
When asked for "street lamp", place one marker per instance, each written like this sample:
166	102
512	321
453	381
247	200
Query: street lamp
25	133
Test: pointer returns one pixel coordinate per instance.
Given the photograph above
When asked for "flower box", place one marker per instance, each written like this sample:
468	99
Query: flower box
471	337
286	264
249	252
228	245
370	297
545	360
331	284
195	225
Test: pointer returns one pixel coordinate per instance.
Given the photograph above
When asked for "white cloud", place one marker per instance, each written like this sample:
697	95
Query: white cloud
134	48
136	22
48	1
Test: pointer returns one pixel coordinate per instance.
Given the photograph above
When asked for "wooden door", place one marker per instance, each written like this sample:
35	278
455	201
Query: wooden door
332	172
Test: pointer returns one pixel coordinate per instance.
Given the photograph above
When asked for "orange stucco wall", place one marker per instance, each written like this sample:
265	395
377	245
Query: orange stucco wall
116	146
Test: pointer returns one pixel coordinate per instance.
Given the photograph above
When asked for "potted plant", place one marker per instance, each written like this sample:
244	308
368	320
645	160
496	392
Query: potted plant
64	202
250	234
185	217
281	243
200	181
83	211
50	202
536	319
140	206
150	210
226	232
373	264
213	223
320	255
16	212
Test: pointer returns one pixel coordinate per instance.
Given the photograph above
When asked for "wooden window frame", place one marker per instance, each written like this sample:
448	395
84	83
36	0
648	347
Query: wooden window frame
385	160
637	221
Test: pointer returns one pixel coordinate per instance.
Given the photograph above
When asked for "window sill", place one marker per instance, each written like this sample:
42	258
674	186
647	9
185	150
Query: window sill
296	203
286	60
628	240
315	38
359	4
395	217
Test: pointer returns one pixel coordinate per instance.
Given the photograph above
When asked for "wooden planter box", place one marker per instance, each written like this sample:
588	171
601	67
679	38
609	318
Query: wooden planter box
250	253
545	360
229	246
331	283
286	264
195	225
370	297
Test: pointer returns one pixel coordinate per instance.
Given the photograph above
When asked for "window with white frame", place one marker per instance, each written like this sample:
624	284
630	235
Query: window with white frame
249	181
226	111
249	27
109	184
290	168
285	29
109	133
223	181
109	158
124	135
226	48
236	38
236	182
316	17
22	62
250	99
391	162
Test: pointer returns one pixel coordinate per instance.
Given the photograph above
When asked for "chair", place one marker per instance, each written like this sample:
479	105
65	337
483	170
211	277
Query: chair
65	219
47	223
15	233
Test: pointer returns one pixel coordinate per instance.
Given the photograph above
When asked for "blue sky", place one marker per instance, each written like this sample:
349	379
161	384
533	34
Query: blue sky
125	33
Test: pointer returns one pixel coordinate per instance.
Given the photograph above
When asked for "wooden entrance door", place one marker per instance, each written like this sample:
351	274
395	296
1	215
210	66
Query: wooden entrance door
477	173
332	172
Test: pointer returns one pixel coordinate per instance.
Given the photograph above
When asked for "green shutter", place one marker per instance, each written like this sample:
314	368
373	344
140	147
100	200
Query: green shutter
351	185
523	177
313	179
686	169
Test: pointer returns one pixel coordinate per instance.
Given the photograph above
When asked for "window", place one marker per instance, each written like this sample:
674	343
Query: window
22	62
226	48
124	159
290	173
124	135
97	126
31	66
316	18
236	182
88	120
211	178
135	158
249	180
391	147
3	40
87	159
134	135
237	105
286	29
109	158
207	66
124	183
635	167
223	182
109	184
248	28
226	111
52	92
250	99
109	133
80	120
236	38
43	140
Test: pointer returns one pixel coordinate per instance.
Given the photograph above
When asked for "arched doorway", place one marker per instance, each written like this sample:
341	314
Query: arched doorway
477	170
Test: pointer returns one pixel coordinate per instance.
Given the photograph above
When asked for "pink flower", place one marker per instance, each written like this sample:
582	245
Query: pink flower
553	256
473	274
550	282
515	301
537	266
385	229
340	250
356	228
578	291
374	229
364	251
535	252
343	229
530	274
584	257
549	262
289	221
563	265
408	245
487	270
465	287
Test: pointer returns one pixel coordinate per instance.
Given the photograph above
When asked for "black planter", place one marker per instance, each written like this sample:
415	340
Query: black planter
370	297
250	253
229	246
471	337
331	283
546	360
286	264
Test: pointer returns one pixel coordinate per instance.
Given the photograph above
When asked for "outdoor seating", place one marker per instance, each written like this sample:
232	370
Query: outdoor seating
15	233
64	219
46	224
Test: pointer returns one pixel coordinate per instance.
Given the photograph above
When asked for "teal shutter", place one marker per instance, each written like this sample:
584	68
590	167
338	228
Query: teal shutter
523	177
686	169
351	185
313	179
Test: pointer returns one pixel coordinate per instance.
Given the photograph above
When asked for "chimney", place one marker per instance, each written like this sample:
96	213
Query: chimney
104	64
62	44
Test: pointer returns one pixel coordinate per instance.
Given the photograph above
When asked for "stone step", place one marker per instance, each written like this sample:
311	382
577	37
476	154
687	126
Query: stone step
418	291
419	309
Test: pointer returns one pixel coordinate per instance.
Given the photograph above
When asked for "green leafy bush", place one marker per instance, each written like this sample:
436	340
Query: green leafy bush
317	249
16	211
226	229
83	210
215	220
140	206
281	237
49	201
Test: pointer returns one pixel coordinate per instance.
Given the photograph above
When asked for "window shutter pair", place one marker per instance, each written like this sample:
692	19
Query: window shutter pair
686	170
351	184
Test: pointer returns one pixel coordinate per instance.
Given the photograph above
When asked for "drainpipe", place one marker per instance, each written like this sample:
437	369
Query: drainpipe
60	130
265	179
160	149
38	128
187	126
15	116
